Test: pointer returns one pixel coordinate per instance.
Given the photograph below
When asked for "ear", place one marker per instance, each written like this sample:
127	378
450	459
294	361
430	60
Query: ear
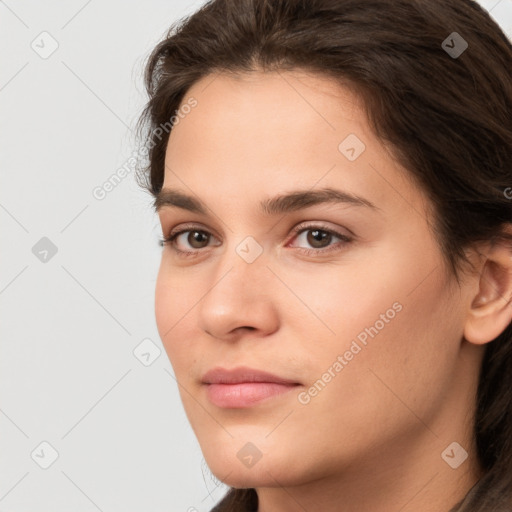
491	308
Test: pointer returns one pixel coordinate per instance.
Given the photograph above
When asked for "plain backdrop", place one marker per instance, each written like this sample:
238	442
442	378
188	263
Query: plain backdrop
90	415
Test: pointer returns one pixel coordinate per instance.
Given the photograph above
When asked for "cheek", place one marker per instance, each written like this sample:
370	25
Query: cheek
386	388
165	303
395	325
172	307
404	366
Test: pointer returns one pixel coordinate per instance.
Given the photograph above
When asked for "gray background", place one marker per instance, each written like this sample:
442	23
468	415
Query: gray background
73	371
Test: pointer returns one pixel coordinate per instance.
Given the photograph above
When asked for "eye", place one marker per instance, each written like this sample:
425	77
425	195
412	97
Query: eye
317	236
191	235
196	238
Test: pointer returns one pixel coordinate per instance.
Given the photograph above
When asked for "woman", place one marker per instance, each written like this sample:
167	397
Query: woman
333	180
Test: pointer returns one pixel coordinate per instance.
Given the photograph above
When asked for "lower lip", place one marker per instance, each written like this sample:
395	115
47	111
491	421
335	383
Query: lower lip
244	394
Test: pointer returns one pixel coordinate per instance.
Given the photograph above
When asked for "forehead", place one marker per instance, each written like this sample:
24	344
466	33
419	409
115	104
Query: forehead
297	94
258	133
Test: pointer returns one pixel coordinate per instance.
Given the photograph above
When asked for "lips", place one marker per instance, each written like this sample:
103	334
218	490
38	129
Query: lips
243	387
242	374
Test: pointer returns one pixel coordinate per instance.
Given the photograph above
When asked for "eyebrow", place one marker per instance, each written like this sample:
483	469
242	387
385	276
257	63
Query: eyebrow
292	201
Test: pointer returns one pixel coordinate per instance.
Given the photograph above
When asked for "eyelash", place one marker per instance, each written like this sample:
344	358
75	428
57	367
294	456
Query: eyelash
298	230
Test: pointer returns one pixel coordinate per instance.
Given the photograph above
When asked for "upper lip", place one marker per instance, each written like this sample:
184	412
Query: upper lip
241	374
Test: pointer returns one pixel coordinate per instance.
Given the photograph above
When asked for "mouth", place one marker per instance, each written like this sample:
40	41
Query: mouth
244	387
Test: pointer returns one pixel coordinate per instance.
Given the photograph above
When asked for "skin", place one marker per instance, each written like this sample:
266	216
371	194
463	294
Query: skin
372	438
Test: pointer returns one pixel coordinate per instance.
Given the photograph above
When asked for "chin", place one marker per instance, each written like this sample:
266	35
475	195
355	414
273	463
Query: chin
239	481
267	472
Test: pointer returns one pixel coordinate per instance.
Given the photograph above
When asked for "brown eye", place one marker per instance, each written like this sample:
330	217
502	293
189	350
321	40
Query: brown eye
317	238
195	238
187	242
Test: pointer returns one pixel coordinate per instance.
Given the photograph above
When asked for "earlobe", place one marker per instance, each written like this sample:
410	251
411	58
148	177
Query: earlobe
491	308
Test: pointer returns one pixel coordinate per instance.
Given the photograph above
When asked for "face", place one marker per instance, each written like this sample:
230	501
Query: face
341	291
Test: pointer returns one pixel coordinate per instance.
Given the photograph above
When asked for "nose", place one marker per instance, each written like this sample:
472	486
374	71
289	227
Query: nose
240	298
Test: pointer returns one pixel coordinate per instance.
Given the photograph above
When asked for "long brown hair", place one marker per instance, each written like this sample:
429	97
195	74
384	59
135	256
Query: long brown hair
446	116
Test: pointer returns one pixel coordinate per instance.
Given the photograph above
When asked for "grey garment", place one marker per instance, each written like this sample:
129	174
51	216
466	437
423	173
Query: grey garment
246	500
